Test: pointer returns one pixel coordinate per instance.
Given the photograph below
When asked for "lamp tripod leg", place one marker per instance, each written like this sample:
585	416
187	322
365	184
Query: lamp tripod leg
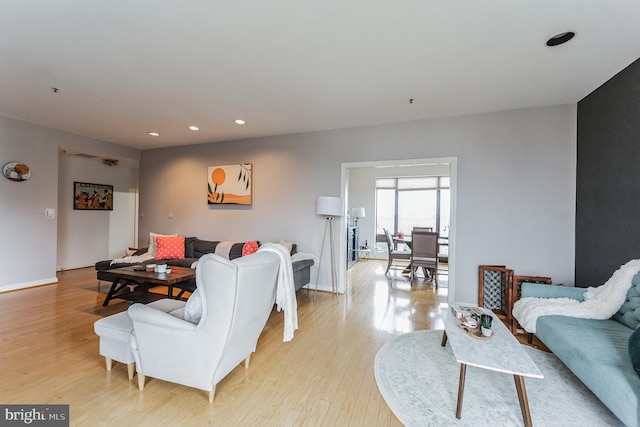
334	286
324	236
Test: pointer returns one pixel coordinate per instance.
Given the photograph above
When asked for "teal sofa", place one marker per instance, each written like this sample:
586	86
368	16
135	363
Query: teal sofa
596	351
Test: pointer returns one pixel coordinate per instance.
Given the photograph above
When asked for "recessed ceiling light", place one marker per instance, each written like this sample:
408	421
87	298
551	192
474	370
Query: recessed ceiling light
560	38
192	127
153	133
239	122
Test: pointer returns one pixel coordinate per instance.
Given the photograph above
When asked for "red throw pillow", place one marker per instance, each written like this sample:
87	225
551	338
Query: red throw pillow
170	247
249	248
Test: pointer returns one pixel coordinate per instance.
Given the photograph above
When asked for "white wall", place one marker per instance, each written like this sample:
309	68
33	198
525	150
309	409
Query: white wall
85	237
515	189
28	252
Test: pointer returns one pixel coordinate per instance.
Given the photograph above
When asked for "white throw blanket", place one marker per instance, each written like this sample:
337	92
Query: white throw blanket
286	290
600	302
133	259
300	256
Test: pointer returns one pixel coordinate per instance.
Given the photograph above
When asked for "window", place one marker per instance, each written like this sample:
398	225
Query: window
404	203
385	209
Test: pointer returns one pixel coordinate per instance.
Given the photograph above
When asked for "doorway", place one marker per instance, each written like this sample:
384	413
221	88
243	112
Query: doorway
359	189
110	232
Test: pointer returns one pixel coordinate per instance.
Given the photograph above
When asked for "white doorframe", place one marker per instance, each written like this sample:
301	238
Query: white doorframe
342	227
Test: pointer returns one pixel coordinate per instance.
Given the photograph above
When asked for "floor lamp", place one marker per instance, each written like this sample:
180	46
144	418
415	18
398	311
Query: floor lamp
356	214
329	207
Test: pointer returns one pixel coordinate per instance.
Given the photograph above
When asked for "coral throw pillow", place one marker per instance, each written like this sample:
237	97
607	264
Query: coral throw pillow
170	247
152	242
249	248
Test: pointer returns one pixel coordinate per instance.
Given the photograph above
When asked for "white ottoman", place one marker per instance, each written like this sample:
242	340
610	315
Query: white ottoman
114	332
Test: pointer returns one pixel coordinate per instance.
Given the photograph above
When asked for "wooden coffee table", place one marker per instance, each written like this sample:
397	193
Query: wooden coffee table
501	353
122	277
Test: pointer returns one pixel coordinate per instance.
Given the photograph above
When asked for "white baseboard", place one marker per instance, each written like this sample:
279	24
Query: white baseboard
73	267
25	285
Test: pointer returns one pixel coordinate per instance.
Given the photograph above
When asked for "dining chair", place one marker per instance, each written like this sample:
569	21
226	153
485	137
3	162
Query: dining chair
424	253
394	254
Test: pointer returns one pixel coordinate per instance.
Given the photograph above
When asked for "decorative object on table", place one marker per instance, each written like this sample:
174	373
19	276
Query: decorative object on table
477	333
329	207
418	379
485	324
16	171
230	184
356	214
459	310
470	321
92	197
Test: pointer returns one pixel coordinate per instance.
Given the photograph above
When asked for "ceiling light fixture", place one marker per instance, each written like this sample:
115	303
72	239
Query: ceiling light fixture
153	133
560	38
239	122
192	127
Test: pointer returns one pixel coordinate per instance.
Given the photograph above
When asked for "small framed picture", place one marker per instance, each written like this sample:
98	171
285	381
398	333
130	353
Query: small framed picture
92	197
230	184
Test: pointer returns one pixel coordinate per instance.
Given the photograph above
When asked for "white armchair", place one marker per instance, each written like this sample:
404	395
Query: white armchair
237	298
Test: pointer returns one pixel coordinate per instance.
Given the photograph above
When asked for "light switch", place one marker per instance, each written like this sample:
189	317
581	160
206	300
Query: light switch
50	213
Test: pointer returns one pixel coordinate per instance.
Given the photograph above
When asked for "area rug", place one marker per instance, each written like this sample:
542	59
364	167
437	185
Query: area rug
418	379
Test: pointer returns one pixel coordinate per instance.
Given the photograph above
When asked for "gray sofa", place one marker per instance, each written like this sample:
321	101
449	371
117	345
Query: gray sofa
194	249
596	351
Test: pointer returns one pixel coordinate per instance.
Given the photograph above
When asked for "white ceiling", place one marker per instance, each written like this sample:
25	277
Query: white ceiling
124	68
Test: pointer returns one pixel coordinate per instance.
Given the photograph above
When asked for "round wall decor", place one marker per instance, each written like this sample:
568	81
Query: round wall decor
16	171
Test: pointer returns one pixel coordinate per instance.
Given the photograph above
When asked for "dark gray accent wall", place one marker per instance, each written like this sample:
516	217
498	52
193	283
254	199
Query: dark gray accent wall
608	178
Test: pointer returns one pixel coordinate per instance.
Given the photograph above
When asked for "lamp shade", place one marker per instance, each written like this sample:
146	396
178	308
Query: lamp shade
330	206
357	212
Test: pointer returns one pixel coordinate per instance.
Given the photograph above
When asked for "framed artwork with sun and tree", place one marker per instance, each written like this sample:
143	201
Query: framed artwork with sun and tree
229	184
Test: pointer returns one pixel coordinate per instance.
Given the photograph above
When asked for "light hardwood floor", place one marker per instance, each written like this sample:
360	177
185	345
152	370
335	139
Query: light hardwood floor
324	377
